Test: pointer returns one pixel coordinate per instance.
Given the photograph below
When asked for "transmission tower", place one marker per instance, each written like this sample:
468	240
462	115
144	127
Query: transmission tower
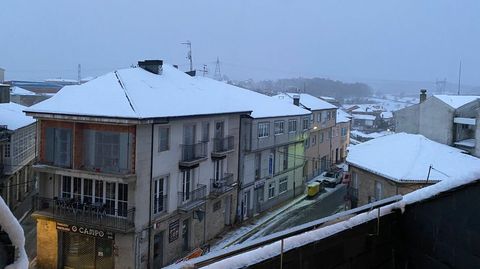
189	55
218	74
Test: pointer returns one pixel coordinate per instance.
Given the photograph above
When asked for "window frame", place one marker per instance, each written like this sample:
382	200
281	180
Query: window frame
167	146
263	129
282	181
292	126
281	127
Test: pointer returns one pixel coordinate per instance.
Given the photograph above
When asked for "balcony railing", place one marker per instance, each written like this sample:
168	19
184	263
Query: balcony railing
223	145
194	152
222	185
97	215
190	200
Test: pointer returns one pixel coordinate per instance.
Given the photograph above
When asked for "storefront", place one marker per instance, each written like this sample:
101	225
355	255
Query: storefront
85	247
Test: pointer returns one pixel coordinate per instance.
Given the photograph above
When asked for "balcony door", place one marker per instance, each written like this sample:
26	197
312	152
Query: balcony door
187	185
189	132
218	169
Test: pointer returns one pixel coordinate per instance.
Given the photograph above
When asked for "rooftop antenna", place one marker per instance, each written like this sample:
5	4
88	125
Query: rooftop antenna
218	74
459	76
79	73
189	55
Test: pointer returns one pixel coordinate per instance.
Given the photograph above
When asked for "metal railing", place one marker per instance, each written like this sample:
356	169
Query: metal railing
222	185
98	214
188	199
194	151
223	144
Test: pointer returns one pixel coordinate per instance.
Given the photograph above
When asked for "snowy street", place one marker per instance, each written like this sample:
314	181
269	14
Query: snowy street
299	211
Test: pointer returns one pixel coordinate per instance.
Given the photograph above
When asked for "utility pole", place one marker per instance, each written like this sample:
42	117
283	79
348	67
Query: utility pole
459	77
218	74
79	73
189	55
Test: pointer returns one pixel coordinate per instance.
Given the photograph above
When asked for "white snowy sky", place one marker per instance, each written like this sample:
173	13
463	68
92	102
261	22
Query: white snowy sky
351	40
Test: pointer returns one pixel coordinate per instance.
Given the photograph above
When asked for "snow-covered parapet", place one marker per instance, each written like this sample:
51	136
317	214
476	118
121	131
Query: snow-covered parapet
11	226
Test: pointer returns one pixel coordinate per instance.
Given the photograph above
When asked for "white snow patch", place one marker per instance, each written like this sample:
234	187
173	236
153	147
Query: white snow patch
456	101
15	90
309	101
468	121
11	226
466	143
363	117
12	115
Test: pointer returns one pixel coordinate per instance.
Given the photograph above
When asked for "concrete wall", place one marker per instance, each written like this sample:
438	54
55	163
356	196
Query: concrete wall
436	121
407	119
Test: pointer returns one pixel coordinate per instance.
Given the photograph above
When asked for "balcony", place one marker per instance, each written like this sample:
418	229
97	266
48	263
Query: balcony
190	200
93	215
193	154
222	185
222	146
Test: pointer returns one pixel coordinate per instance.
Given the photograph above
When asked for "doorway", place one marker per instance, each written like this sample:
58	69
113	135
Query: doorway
158	250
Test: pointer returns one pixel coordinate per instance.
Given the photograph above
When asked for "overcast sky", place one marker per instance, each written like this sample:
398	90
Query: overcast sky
351	40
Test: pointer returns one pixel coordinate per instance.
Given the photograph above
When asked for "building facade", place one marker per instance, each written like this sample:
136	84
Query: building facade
341	136
123	191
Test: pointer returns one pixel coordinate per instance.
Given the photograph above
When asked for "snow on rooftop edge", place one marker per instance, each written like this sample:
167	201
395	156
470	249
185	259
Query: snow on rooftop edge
245	259
10	225
307	100
12	115
456	101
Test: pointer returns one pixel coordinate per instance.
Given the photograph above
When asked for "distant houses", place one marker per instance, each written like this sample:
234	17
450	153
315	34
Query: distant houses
448	119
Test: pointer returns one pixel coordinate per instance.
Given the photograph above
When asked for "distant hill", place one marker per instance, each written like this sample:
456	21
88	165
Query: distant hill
314	86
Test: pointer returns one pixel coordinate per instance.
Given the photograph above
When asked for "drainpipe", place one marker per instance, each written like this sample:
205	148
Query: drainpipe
150	199
239	168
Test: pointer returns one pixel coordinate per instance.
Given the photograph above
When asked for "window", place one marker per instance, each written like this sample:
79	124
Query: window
66	187
279	127
271	162
344	131
186	184
258	165
263	129
306	123
217	205
329	115
99	191
159	198
110	197
354	180
321	137
163	139
312	117
319	116
205	131
122	199
7	150
271	190
306	143
77	188
88	191
378	191
282	185
58	146
292	126
285	158
107	151
314	139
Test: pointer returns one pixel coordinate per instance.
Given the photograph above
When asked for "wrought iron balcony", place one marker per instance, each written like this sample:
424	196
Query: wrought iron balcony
222	185
222	146
96	215
193	154
190	200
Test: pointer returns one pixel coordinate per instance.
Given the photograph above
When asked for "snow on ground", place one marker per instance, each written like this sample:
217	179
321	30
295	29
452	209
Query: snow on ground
10	225
408	157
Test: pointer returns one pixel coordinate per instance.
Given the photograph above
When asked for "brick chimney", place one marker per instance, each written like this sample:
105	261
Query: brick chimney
296	99
4	93
423	95
152	66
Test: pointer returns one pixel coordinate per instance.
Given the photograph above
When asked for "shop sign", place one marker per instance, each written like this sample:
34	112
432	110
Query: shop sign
173	231
84	230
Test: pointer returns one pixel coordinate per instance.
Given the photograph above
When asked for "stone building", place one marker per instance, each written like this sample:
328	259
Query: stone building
341	136
401	163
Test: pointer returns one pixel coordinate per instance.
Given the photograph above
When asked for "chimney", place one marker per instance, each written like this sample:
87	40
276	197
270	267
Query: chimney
152	66
4	93
296	99
423	95
176	66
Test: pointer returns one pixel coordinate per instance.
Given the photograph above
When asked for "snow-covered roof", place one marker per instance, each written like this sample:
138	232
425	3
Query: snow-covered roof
11	115
363	117
343	116
308	101
468	121
407	157
386	115
15	90
456	101
357	133
139	94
